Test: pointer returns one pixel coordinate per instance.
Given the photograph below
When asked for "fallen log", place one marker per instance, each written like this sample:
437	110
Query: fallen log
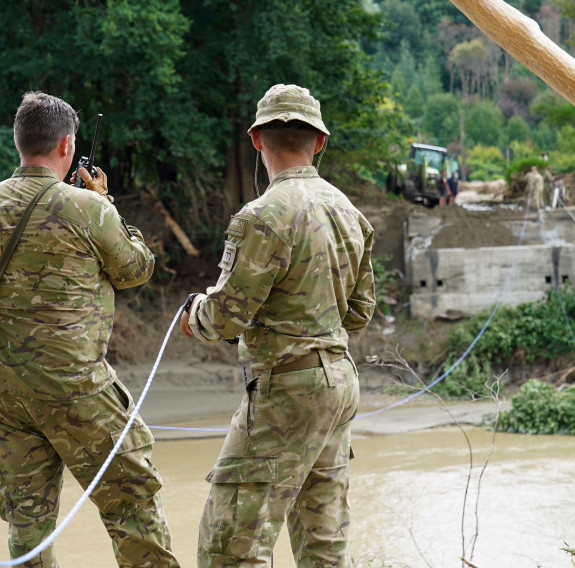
178	232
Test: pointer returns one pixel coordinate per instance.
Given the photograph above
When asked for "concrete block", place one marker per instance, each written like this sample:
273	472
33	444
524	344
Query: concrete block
470	280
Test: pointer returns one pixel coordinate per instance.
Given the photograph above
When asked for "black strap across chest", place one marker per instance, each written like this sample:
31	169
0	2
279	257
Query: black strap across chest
19	229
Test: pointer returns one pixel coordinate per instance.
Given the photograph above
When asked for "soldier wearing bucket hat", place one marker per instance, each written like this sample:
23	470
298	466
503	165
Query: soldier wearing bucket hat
296	278
286	103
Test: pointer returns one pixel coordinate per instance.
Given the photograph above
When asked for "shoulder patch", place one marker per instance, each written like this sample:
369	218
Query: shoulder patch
228	257
236	227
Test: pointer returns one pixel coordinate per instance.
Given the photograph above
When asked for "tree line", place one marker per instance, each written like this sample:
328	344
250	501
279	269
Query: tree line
447	76
178	83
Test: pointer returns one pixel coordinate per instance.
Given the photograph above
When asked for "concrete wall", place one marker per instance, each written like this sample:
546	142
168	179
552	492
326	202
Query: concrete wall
458	280
545	227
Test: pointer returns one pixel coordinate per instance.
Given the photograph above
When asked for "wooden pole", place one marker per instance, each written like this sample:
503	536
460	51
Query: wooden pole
521	37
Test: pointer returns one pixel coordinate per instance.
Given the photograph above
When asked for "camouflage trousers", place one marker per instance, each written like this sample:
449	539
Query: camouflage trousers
286	454
39	437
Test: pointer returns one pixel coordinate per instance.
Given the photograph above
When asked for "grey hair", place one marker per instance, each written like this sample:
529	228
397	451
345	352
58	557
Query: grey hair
41	122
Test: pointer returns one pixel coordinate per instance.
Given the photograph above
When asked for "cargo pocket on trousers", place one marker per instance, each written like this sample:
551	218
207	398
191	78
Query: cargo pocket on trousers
139	436
236	512
131	479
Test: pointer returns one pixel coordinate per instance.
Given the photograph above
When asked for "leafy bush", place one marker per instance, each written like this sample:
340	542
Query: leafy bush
521	150
562	163
467	381
517	129
485	163
484	123
536	331
566	139
538	408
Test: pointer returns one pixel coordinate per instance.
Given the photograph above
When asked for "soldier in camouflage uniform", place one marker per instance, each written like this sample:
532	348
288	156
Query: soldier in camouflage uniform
296	278
60	401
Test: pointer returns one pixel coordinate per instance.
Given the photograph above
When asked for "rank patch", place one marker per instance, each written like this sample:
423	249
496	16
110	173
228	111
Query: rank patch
236	227
228	257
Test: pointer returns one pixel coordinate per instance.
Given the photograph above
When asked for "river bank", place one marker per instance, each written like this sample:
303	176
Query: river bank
207	394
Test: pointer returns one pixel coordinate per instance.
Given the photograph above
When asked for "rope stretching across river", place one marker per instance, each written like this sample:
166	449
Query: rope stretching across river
59	529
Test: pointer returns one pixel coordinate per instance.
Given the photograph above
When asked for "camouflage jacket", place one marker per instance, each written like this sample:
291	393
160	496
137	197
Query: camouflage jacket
296	273
56	296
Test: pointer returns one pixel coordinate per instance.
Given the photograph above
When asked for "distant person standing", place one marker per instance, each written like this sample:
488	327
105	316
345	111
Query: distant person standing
538	189
442	186
453	184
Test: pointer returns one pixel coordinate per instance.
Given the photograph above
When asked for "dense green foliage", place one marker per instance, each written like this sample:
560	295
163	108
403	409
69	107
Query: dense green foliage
178	82
540	408
485	163
522	166
532	332
448	75
468	381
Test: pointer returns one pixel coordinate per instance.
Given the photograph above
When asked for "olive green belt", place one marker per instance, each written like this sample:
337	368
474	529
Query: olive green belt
308	361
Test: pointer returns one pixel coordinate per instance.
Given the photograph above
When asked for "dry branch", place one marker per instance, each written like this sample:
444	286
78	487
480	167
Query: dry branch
523	39
178	232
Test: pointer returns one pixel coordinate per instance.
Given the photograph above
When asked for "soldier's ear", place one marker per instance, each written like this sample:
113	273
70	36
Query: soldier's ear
64	145
256	139
319	142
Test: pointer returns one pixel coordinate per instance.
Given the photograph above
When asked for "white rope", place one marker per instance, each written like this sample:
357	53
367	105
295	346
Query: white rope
58	530
478	336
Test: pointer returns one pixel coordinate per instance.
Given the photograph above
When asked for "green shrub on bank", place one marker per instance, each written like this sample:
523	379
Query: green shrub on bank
539	408
535	332
485	163
467	380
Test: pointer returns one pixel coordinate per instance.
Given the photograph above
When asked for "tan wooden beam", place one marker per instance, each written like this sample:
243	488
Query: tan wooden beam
522	37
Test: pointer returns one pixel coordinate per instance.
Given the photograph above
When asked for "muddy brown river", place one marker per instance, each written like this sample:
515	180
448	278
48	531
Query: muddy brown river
407	496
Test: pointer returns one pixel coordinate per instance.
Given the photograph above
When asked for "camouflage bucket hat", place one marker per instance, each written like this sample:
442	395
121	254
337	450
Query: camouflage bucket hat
289	102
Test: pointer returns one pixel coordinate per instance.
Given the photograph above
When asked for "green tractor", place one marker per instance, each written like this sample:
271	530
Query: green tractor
418	179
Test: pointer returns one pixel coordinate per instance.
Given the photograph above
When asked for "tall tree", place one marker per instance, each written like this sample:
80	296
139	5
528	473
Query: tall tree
470	60
404	29
116	57
484	124
431	12
441	120
238	50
